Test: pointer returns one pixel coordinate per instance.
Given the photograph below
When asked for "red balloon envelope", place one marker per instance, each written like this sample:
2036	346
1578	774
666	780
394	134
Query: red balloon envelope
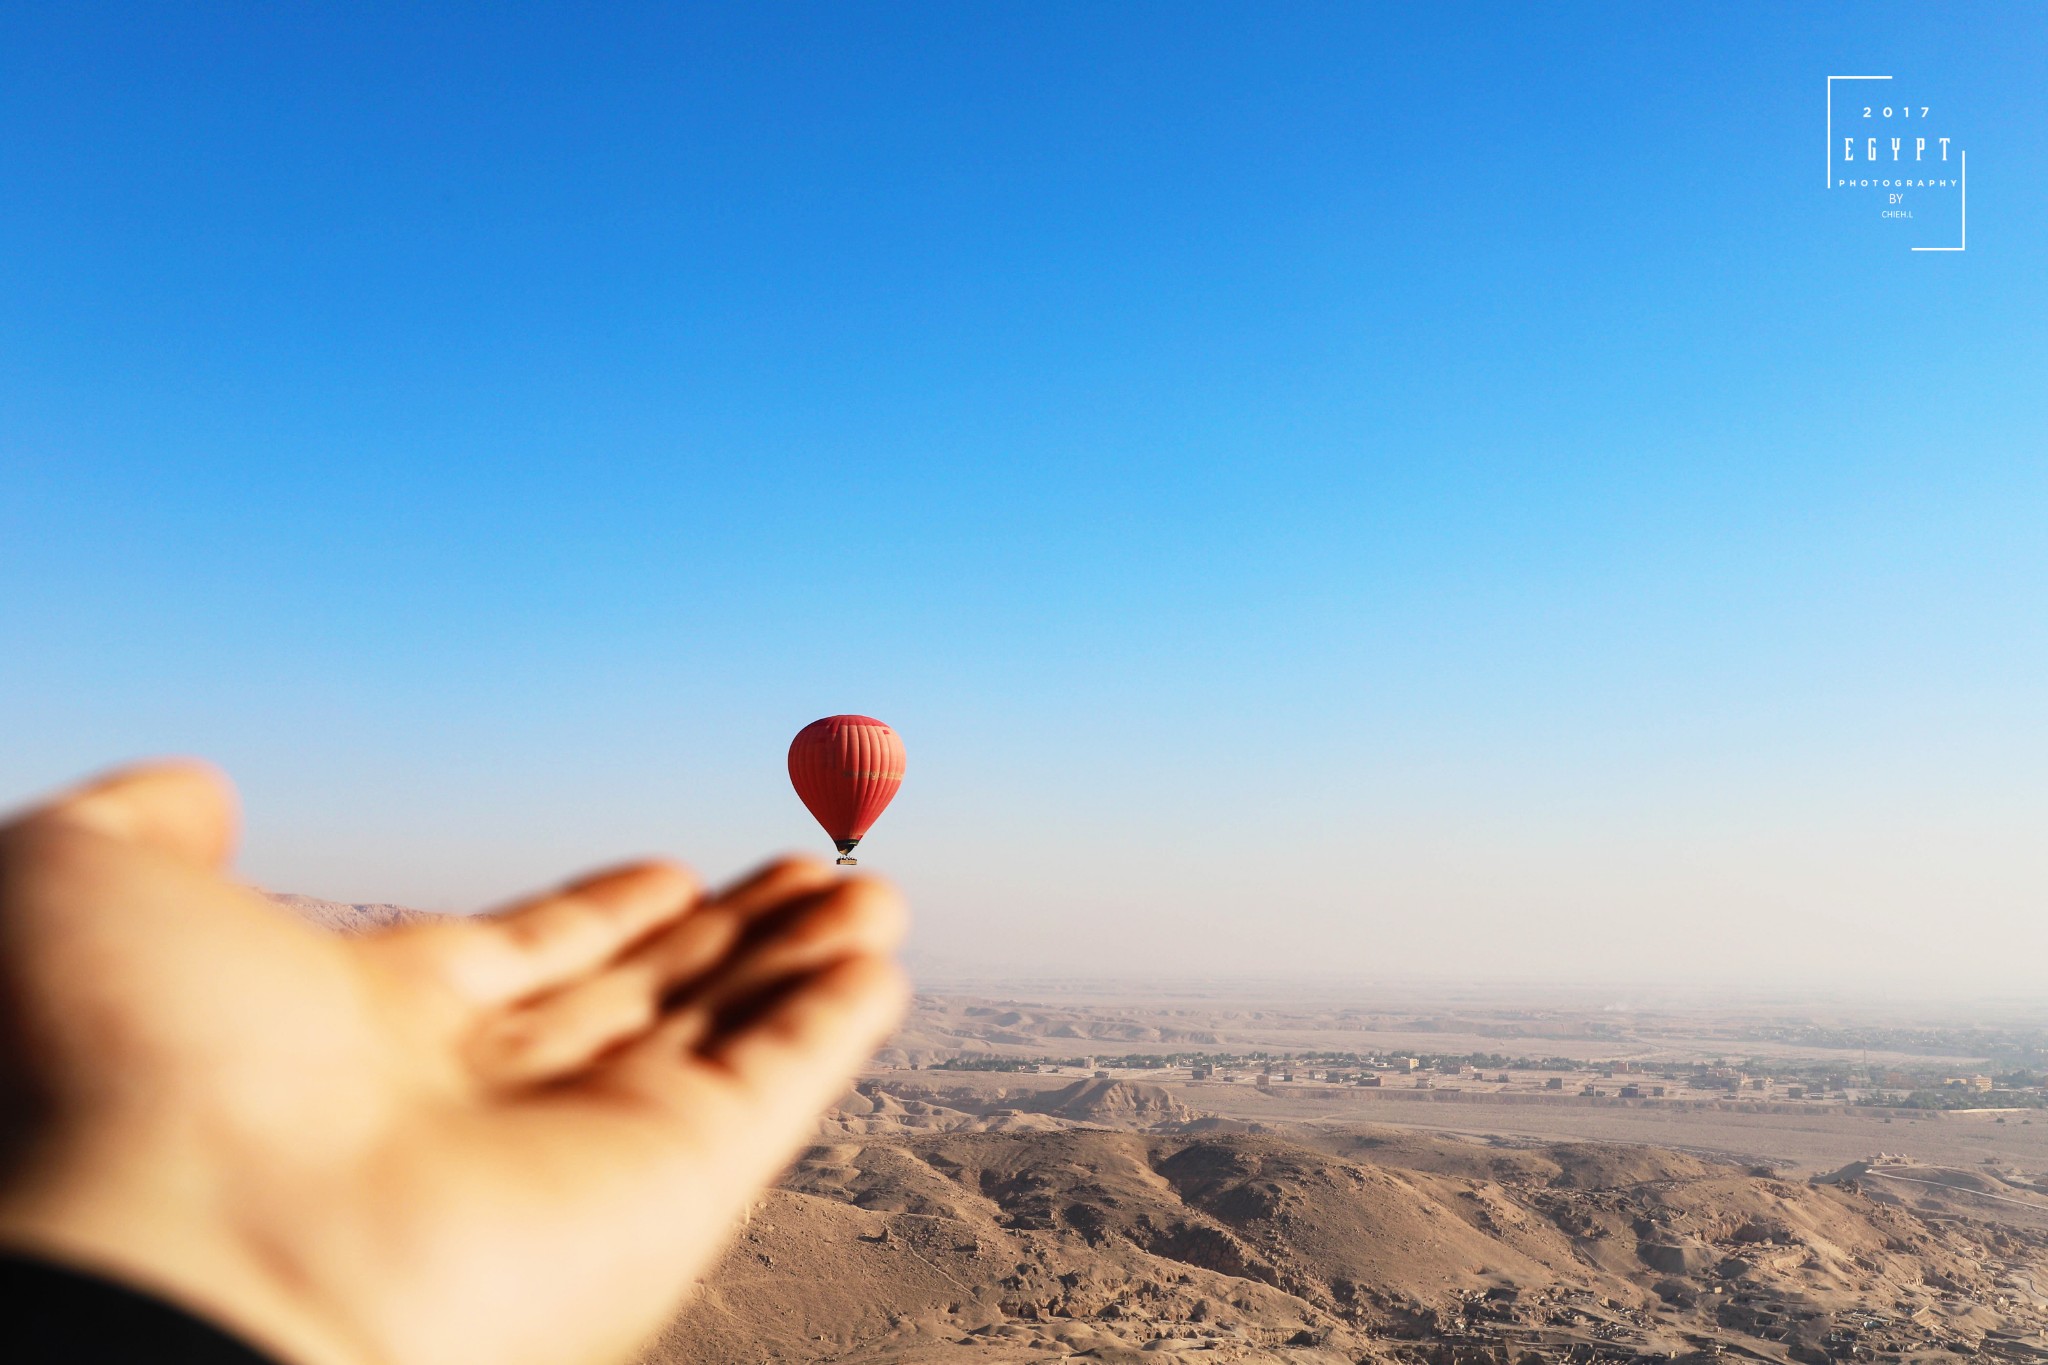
847	770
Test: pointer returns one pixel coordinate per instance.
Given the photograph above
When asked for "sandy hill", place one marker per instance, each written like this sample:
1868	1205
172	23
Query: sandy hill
1580	1165
878	1108
1113	1104
1361	1245
894	1102
347	917
944	1026
873	1110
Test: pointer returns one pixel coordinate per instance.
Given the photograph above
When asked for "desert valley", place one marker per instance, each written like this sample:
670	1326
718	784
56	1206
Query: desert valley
1047	1171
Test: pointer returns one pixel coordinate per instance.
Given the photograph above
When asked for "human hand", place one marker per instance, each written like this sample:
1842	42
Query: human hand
508	1139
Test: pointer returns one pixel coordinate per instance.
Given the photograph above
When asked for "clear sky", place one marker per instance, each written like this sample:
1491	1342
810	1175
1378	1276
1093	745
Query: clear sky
1434	490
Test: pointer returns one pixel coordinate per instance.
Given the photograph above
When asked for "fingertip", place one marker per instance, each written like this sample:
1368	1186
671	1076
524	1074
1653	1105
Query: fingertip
652	881
775	881
563	935
827	1019
788	1057
802	866
859	914
886	911
185	807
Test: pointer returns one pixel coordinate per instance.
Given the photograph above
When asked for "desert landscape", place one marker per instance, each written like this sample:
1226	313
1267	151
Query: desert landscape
1395	1174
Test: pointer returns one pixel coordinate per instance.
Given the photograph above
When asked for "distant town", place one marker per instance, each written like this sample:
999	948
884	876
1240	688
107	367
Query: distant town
1553	1079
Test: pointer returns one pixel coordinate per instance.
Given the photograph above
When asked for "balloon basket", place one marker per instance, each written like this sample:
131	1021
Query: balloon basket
849	862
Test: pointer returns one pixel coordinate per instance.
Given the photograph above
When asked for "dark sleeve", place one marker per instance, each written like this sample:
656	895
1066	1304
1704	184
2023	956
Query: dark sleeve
53	1316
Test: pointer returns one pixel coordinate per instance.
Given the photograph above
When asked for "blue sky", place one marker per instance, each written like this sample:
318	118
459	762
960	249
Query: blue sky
1400	491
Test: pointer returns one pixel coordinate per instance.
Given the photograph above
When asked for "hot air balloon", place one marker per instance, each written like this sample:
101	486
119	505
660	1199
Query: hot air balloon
847	770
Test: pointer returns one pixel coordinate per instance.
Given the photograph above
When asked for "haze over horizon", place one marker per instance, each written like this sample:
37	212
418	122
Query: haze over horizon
1341	491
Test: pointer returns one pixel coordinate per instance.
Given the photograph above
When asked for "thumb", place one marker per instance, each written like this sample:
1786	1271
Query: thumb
183	808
